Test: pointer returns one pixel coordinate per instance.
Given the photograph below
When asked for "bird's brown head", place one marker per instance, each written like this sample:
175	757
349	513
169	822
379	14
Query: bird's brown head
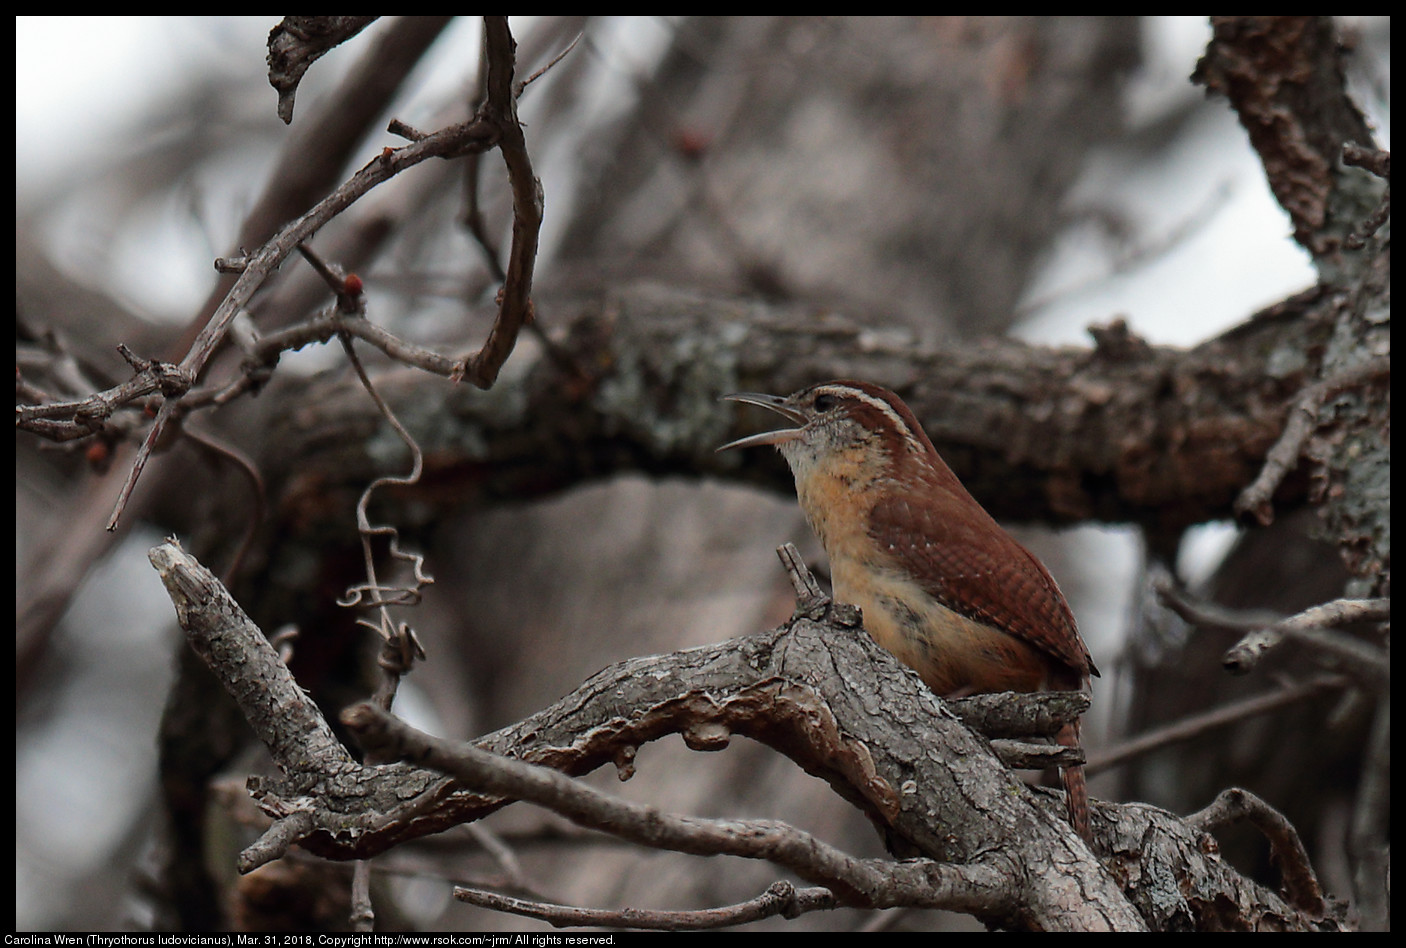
856	431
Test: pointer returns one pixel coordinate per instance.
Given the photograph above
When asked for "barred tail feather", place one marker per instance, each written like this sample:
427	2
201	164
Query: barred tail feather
1076	790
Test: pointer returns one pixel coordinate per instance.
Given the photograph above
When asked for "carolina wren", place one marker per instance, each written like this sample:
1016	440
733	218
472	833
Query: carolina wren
940	584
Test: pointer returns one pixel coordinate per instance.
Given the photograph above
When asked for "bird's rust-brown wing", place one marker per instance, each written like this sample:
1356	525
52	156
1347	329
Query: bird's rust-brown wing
975	568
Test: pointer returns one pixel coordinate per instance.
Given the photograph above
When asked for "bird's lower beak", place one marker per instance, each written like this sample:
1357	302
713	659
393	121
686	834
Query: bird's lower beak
777	404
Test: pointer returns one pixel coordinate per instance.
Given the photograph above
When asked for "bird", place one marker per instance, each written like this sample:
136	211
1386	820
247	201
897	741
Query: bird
939	583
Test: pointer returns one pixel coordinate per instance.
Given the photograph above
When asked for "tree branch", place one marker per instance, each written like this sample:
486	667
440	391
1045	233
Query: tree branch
299	41
865	883
515	298
833	701
1283	76
283	717
1287	851
782	898
1164	438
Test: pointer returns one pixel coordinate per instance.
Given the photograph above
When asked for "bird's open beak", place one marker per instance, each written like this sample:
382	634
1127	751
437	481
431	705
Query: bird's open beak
777	404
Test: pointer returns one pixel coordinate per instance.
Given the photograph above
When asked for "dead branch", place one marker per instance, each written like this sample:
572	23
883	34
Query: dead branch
782	898
866	883
1318	626
496	125
515	298
1283	76
1300	883
830	699
299	41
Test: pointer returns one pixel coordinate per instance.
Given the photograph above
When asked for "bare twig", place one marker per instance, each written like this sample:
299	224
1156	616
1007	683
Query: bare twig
1312	627
323	328
473	167
497	124
1199	724
163	415
451	142
515	302
1263	631
245	465
277	840
447	143
1210	615
782	898
1378	162
517	91
75	419
492	843
811	600
1300	883
473	219
1024	755
1300	425
1375	160
1011	714
363	915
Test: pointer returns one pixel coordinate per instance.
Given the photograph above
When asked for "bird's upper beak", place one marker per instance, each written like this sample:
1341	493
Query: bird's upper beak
777	404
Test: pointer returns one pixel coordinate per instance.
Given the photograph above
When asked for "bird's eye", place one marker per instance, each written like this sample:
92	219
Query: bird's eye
824	402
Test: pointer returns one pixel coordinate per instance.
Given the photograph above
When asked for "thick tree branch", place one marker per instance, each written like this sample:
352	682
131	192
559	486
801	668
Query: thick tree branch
1162	436
865	883
1283	76
823	694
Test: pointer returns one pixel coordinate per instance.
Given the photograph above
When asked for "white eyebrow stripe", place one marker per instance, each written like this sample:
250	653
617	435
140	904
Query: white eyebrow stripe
883	405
